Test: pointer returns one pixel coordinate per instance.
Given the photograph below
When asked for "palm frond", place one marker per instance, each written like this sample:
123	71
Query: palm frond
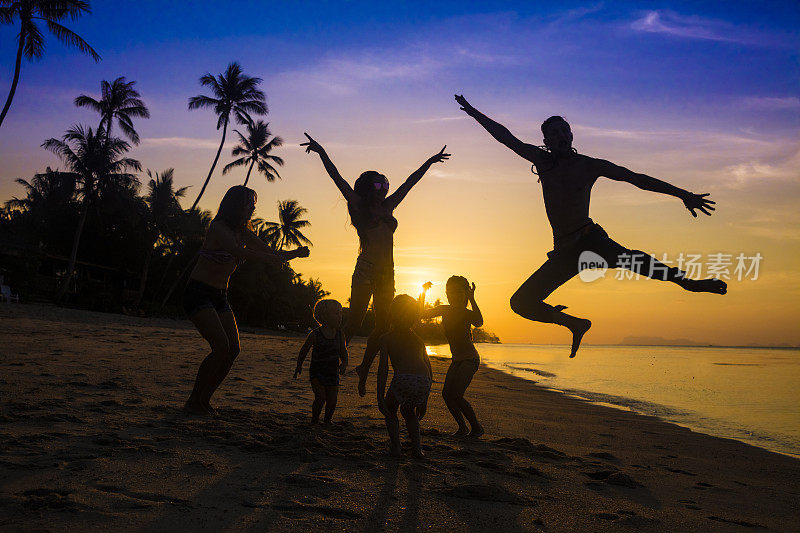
268	171
233	164
127	128
34	42
87	101
70	38
197	102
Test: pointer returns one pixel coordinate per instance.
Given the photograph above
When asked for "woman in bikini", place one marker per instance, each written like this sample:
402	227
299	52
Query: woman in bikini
228	243
371	214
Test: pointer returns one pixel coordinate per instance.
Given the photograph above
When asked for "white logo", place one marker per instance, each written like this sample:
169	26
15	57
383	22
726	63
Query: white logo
591	266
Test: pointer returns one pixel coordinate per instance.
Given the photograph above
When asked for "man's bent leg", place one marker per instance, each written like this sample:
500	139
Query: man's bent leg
528	301
646	265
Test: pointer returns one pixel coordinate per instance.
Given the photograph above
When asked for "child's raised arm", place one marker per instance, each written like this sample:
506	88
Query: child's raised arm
477	317
303	352
383	373
433	312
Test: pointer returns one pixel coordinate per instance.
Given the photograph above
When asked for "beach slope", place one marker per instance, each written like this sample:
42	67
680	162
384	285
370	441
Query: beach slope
92	439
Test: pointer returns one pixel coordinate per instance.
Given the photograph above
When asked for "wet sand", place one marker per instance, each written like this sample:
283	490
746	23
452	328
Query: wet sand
92	439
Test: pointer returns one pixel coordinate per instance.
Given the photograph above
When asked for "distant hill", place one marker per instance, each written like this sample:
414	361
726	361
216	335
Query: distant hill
660	341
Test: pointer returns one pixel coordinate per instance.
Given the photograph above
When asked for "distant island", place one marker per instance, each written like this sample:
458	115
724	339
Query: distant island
660	341
432	333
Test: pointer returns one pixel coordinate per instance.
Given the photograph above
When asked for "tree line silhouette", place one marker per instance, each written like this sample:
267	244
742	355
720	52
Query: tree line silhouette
91	235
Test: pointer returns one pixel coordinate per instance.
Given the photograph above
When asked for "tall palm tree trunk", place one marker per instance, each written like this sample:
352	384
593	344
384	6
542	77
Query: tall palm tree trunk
17	67
248	172
74	254
143	276
214	164
108	128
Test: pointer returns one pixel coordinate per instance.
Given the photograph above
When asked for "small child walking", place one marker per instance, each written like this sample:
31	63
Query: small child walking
328	358
411	382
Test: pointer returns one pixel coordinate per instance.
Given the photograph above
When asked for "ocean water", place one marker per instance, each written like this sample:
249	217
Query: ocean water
748	394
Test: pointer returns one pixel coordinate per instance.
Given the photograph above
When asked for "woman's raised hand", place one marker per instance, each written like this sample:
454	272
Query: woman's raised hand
471	291
441	156
312	145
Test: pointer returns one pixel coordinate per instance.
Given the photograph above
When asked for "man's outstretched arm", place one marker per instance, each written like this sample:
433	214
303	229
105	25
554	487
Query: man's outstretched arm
648	183
501	133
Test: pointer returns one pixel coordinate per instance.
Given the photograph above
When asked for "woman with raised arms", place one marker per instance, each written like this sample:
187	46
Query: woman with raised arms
371	213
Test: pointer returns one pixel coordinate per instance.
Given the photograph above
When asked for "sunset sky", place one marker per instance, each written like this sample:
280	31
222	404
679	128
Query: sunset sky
705	95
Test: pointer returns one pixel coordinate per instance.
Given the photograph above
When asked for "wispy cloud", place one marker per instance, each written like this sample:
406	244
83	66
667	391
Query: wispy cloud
342	76
694	27
439	119
758	169
578	13
771	103
780	226
687	136
731	160
181	142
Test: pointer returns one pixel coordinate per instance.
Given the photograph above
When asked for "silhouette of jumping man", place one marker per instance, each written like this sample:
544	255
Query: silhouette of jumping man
371	213
567	178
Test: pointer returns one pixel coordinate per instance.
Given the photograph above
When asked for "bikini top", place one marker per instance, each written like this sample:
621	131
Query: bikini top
387	220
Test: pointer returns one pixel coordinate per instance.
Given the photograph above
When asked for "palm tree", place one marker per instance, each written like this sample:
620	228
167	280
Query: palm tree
119	100
287	231
30	41
44	191
234	92
95	162
263	230
255	150
162	217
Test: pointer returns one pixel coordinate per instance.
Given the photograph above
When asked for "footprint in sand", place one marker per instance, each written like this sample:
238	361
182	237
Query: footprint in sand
736	522
301	510
603	455
486	493
679	471
44	498
606	516
613	477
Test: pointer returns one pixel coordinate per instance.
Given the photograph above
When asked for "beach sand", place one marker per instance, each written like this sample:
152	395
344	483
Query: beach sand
92	439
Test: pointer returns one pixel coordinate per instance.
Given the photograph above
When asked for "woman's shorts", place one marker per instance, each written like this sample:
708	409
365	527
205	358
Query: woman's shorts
410	389
199	296
379	278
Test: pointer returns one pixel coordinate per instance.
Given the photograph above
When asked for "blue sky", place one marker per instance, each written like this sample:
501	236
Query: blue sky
704	94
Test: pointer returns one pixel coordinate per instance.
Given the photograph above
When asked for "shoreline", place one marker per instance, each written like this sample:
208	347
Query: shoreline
92	438
714	427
